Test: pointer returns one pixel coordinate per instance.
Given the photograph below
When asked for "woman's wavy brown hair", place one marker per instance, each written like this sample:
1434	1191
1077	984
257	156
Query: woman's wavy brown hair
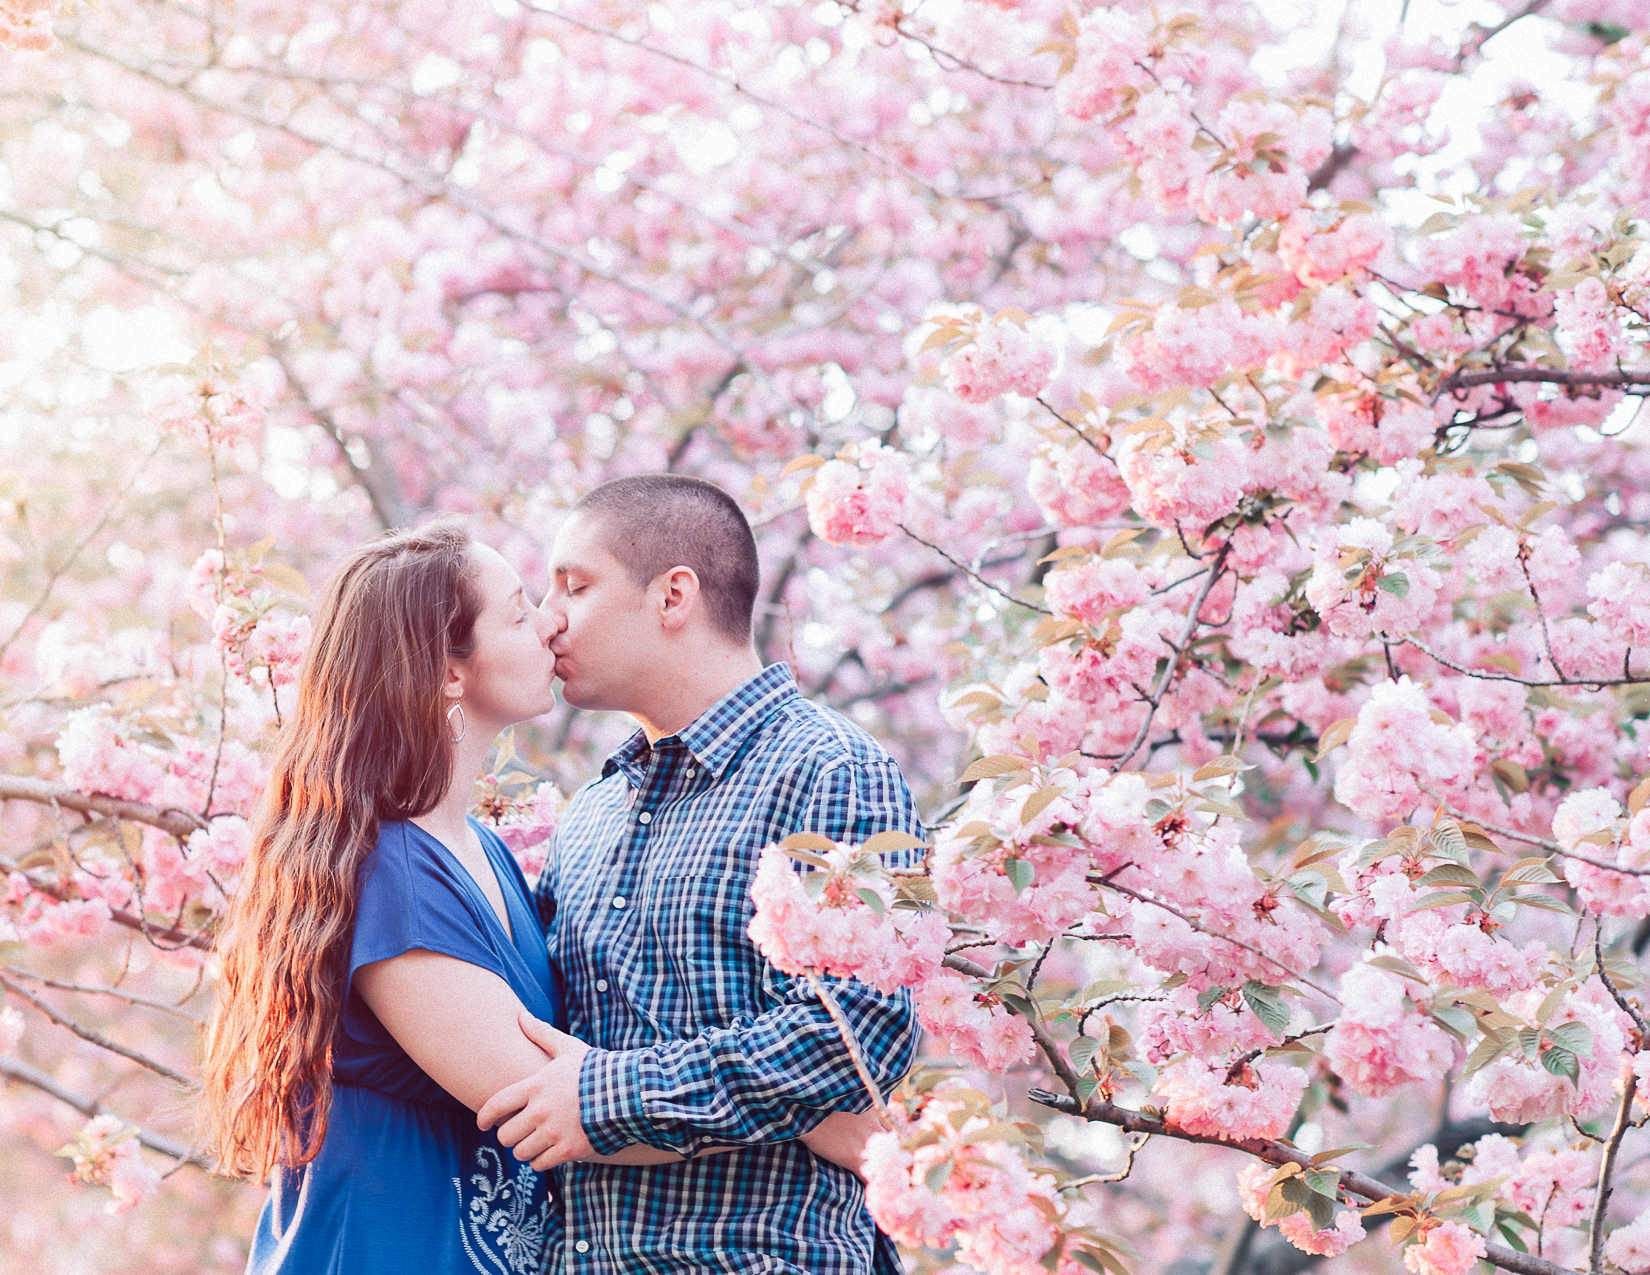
368	741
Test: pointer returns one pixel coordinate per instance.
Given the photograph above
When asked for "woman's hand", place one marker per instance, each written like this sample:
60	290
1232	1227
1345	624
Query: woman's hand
840	1138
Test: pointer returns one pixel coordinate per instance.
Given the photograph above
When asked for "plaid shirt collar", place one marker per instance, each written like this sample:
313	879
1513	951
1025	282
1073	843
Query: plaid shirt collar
718	734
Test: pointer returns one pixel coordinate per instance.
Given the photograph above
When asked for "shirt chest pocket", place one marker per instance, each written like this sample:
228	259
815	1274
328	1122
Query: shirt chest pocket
697	922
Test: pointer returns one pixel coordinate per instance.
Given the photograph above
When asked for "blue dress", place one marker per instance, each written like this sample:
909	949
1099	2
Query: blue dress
405	1182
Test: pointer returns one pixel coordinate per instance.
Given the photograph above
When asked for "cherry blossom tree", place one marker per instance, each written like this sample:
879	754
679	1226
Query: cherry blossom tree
1202	441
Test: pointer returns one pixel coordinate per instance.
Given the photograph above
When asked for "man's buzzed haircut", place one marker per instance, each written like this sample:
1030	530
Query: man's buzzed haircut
653	522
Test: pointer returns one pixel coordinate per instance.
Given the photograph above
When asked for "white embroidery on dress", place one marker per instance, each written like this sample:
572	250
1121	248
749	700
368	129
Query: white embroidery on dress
499	1217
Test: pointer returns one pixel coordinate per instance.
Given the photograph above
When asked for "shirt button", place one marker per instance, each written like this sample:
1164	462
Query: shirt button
601	984
583	1246
691	772
645	817
618	901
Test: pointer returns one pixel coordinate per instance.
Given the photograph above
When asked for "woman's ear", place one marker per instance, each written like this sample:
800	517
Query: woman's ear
452	686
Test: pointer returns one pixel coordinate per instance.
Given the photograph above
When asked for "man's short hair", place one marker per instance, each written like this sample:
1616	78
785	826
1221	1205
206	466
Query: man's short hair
653	522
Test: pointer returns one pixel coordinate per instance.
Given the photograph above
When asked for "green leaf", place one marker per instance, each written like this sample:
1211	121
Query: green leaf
1321	1209
1443	899
872	900
1514	1240
1576	1037
1323	1181
1456	1021
1450	840
1267	1002
1398	965
1489	1049
1450	874
1019	1004
1334	1153
1208	996
1082	1051
1561	1062
1020	873
936	1177
1396	584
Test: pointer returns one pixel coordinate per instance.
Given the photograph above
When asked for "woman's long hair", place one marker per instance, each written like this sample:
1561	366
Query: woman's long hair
368	741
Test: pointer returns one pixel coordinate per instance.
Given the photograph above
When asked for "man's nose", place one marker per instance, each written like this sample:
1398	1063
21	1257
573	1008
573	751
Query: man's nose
552	619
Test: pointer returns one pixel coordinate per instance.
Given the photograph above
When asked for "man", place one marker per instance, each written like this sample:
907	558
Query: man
691	1040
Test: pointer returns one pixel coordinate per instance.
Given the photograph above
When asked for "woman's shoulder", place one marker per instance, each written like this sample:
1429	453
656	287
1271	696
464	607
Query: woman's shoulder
404	859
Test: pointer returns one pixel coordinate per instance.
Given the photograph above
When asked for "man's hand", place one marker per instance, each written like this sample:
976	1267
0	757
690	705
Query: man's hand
543	1109
841	1137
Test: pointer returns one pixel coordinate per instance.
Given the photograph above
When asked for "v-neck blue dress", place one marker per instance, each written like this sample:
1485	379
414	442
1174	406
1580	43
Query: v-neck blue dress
405	1182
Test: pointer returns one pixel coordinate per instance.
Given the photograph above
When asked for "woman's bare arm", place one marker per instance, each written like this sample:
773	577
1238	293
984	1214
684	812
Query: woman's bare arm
457	1021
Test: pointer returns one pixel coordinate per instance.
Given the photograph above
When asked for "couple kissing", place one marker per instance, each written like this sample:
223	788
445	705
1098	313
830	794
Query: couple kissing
439	1070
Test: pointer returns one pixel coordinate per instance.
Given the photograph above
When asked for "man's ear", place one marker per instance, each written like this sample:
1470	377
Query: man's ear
678	597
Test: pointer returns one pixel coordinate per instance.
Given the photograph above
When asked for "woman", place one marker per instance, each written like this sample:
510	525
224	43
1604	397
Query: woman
382	943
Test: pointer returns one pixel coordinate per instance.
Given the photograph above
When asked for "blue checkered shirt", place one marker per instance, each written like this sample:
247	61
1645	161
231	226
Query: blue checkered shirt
698	1041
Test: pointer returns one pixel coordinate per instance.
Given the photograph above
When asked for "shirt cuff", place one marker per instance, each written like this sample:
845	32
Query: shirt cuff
611	1106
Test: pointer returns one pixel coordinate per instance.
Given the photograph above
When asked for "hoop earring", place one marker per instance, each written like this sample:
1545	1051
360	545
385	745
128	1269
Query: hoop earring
463	726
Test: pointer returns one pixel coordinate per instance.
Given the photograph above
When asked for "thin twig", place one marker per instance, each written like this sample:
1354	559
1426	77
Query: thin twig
1137	1142
1203	929
1370	1188
1488	676
974	576
131	920
73	556
97	1038
852	1042
1615	992
1216	569
23	1073
92	989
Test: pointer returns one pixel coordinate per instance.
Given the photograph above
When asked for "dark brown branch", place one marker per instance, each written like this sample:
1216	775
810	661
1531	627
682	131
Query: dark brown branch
1370	1188
1108	884
1545	376
1330	169
170	934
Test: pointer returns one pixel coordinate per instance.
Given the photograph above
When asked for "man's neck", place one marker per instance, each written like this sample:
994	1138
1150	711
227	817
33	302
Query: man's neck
693	690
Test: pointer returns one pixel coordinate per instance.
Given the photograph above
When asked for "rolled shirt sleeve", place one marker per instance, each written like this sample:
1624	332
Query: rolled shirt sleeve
778	1074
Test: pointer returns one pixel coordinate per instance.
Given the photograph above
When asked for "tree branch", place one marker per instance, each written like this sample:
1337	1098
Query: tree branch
173	819
1370	1188
17	1070
1459	380
1488	676
1216	570
1107	884
1607	1171
975	576
93	989
171	934
97	1038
